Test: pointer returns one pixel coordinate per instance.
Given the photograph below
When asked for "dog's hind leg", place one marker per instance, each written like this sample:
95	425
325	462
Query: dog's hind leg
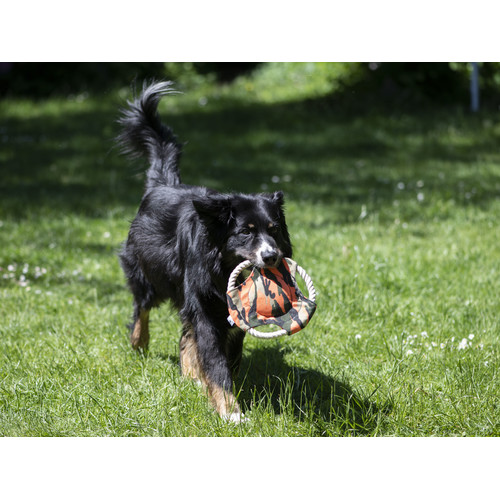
188	354
139	337
144	298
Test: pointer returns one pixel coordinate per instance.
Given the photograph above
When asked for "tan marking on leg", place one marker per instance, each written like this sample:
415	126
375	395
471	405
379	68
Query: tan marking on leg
188	353
223	401
140	335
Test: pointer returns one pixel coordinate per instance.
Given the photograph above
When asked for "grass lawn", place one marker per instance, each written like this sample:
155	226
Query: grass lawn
393	214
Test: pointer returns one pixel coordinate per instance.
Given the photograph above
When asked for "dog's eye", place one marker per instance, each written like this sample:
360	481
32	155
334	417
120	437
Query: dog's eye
273	229
246	231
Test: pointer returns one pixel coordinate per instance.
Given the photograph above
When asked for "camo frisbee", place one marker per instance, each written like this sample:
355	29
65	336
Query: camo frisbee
270	296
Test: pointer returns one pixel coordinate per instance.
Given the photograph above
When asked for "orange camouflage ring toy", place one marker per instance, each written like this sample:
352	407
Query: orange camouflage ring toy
270	296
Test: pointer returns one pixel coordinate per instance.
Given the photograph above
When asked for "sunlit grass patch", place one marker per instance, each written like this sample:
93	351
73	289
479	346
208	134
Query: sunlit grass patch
393	215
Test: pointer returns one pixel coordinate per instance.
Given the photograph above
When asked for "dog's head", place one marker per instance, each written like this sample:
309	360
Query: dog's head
247	227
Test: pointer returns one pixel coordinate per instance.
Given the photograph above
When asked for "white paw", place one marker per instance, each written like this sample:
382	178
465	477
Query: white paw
235	418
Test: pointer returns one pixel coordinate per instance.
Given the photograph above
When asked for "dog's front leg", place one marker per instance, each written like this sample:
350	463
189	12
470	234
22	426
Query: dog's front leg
215	372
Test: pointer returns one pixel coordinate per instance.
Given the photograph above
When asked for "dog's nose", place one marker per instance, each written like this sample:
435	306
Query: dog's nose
269	257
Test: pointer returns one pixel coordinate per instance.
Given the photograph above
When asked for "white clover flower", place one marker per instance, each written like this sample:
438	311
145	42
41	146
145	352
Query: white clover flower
424	335
420	197
38	272
107	234
463	344
358	337
471	336
409	352
442	345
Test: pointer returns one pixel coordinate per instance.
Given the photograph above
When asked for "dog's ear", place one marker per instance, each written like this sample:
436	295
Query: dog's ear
213	210
276	197
279	197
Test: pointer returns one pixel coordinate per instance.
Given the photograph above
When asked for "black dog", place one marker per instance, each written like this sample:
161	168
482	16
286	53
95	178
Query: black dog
183	244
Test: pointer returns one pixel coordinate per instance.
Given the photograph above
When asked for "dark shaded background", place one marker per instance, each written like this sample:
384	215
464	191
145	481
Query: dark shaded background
400	83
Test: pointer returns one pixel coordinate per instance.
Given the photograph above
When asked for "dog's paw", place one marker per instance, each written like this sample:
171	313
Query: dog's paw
235	418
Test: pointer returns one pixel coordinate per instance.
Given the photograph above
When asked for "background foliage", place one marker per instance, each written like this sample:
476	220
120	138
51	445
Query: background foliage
408	82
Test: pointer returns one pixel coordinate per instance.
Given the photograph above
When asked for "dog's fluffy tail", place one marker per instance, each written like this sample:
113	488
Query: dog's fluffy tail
143	134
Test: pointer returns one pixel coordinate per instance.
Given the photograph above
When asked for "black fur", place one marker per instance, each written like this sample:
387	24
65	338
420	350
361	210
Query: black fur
185	241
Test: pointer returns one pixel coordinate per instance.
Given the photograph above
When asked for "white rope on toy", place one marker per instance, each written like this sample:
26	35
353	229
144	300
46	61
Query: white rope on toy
236	271
278	333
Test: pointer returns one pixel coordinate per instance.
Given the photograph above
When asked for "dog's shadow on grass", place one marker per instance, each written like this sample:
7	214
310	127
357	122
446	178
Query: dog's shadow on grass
332	406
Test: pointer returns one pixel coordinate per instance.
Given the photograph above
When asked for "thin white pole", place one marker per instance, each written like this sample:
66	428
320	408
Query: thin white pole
474	88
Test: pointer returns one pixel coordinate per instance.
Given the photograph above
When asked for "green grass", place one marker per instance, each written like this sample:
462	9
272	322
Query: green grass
393	214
